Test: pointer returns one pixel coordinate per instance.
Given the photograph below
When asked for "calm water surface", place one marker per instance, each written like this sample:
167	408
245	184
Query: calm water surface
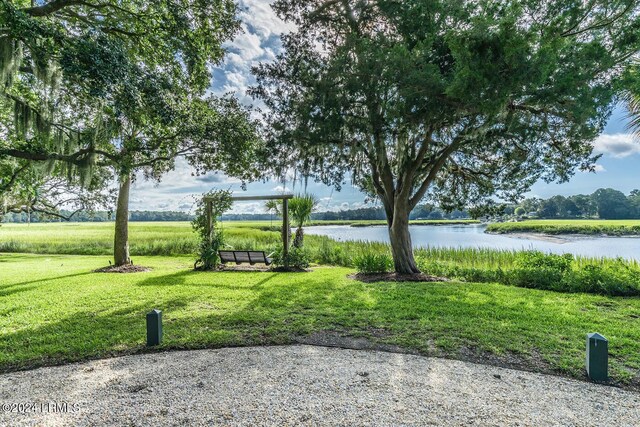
473	236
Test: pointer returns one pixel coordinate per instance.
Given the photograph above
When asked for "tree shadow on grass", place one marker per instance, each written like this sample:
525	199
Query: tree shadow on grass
80	336
49	279
466	321
180	278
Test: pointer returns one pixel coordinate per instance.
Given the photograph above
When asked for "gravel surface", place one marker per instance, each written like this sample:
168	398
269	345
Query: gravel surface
305	385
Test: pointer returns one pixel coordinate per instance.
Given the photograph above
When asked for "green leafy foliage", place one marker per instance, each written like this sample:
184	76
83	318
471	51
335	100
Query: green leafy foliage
370	263
300	208
206	224
296	258
605	276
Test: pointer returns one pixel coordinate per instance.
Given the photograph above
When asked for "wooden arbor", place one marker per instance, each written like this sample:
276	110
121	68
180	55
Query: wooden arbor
286	237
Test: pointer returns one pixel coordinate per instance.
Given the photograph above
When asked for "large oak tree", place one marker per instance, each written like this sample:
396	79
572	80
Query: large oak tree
118	85
459	101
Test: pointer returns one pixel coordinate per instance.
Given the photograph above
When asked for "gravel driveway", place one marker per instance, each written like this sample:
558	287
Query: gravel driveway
305	385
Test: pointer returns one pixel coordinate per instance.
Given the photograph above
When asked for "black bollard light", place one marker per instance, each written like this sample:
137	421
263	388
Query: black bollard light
154	328
597	357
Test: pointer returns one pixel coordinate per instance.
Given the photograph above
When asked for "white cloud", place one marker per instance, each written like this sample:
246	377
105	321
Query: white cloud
263	19
617	145
600	168
281	189
248	208
258	42
248	44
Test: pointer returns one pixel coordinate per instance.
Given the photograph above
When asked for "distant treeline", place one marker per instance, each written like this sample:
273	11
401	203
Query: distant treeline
604	203
372	213
100	216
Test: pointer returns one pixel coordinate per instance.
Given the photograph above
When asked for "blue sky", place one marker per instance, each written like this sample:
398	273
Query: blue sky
618	168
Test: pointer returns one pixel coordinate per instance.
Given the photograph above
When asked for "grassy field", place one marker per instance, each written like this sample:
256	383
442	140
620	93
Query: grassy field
603	276
63	312
147	238
622	227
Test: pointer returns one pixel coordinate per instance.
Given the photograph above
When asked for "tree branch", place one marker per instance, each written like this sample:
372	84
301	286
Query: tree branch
437	166
53	7
13	178
602	23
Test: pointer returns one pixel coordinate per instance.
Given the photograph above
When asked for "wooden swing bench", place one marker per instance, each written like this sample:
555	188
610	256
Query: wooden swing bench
240	257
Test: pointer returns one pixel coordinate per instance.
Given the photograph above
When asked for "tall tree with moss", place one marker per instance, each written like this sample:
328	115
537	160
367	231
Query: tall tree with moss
120	85
456	101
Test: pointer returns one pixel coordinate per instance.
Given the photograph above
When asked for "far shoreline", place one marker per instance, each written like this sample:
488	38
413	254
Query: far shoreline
576	228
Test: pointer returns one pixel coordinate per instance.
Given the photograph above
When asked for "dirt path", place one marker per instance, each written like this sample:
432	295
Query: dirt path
304	385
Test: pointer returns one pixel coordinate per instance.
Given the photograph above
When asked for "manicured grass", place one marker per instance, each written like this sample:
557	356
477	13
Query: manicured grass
54	309
629	227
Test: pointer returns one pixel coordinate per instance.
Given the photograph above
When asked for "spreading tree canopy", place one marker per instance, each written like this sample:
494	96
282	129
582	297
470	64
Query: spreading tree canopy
118	85
454	100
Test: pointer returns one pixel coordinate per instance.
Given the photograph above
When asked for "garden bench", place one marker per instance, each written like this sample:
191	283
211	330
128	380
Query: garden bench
239	257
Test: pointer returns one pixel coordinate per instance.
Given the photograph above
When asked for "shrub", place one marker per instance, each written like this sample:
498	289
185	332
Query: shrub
534	269
537	259
210	240
370	262
564	273
330	253
613	278
298	258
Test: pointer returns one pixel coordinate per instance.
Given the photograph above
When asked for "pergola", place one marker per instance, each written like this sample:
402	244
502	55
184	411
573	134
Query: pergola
285	215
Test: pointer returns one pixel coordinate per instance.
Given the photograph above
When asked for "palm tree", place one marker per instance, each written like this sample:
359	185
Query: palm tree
273	208
632	99
300	209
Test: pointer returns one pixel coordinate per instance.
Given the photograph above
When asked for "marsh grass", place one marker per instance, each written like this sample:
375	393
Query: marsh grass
551	226
594	275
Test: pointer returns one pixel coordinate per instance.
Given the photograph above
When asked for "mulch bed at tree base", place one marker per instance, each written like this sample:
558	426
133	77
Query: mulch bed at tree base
395	277
129	268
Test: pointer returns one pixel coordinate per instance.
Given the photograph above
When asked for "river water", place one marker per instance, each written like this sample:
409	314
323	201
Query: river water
473	236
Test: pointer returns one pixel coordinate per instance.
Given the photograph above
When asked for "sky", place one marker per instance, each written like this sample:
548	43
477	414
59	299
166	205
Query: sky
259	42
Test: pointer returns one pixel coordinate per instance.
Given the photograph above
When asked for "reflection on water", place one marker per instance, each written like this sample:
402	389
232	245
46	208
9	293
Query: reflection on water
474	236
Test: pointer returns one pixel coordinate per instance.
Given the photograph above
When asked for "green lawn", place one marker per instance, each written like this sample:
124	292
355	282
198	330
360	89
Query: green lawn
54	309
621	227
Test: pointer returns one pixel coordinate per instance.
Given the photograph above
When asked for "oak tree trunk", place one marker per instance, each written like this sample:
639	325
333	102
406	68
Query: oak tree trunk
401	247
121	240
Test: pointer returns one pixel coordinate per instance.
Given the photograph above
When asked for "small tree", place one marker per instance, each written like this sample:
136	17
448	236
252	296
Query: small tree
300	209
206	225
